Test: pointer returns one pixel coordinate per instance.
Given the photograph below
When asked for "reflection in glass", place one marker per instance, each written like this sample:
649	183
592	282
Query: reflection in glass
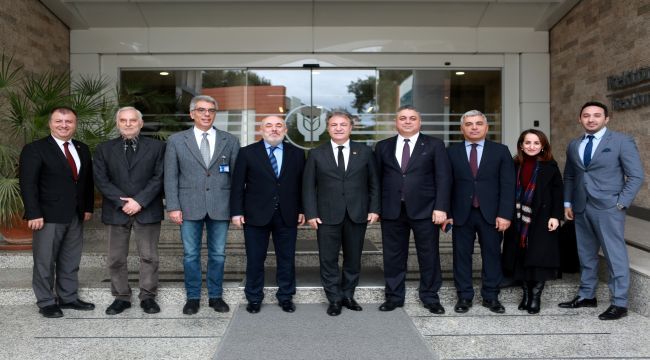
305	96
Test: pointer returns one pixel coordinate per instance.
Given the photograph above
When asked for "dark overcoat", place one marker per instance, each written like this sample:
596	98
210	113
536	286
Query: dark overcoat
543	245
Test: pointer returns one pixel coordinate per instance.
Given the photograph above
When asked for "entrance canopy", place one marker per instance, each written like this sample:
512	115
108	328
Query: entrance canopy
538	15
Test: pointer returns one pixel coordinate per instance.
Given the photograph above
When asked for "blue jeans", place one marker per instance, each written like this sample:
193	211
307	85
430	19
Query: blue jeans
191	235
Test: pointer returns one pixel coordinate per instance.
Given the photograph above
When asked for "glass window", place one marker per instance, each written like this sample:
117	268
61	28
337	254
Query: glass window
305	96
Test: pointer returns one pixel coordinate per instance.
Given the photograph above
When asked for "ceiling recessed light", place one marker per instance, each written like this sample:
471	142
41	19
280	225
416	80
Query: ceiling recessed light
164	73
460	73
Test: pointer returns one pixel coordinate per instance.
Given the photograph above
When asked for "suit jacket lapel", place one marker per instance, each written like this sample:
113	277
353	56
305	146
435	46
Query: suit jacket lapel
418	148
59	154
392	146
287	155
193	147
141	151
329	155
263	157
604	143
220	144
118	152
353	160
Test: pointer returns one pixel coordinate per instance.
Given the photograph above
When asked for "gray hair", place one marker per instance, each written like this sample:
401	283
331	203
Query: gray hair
339	113
472	113
127	108
205	98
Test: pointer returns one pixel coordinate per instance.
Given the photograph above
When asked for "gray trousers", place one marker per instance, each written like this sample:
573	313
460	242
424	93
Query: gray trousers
603	229
57	253
146	238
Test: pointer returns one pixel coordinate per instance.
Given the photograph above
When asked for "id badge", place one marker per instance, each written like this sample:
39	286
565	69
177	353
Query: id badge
224	167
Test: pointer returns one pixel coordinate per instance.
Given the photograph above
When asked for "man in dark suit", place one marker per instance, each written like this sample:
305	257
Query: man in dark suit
483	198
198	167
129	173
416	182
265	198
602	175
341	196
56	184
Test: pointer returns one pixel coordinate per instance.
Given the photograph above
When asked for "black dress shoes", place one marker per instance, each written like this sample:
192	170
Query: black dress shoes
351	304
78	305
51	311
494	306
435	308
579	302
117	307
389	306
253	307
462	306
149	306
287	306
334	309
613	312
191	306
218	305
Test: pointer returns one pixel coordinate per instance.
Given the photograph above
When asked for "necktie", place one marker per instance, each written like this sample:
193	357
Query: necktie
71	162
341	160
205	149
129	150
473	165
274	161
406	155
586	157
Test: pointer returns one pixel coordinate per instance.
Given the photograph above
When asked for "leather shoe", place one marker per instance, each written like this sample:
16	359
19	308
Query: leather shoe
51	311
579	302
253	307
613	312
287	306
117	307
78	305
494	306
462	306
334	309
351	304
389	306
435	308
219	305
191	306
149	306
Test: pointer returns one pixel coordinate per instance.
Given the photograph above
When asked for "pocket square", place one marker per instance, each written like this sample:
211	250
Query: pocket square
607	150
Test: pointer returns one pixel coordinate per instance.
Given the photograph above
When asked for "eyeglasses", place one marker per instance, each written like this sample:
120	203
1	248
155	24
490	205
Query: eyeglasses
202	111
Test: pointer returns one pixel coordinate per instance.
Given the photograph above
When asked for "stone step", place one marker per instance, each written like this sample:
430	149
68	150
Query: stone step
94	286
171	251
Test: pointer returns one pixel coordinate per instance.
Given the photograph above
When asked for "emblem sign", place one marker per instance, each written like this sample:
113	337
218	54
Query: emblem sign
306	124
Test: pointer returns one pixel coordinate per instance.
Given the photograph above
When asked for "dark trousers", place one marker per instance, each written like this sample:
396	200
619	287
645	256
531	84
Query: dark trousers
395	240
331	238
257	244
146	238
57	254
490	241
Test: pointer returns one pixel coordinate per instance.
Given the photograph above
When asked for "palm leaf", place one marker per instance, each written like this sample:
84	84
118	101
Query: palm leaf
12	203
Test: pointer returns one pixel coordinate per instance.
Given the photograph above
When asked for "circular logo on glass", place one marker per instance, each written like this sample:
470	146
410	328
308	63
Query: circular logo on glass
306	126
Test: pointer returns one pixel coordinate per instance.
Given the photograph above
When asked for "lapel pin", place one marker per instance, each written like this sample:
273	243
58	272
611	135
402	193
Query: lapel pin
354	153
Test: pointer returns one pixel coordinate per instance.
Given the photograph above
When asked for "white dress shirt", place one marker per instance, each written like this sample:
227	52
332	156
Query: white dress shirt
399	147
73	151
346	152
212	138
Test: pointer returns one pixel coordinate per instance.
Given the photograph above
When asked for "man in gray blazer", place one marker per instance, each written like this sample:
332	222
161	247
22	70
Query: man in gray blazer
198	167
603	174
129	173
340	192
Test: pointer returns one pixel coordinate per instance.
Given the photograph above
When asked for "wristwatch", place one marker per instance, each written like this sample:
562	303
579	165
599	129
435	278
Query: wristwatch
620	206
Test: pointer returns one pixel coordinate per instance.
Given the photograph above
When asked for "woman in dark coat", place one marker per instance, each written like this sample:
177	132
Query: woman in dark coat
531	251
